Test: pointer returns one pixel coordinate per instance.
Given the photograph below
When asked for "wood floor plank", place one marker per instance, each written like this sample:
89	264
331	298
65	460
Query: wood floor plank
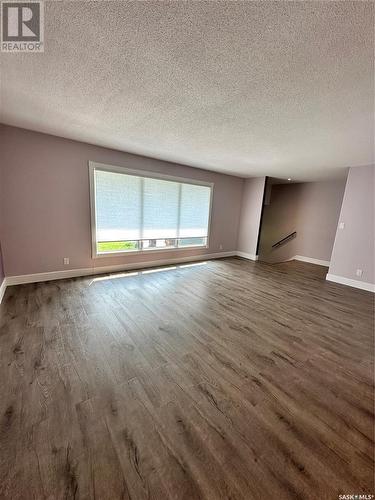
226	379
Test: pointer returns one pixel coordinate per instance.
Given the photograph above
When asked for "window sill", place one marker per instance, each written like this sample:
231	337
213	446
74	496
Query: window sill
101	255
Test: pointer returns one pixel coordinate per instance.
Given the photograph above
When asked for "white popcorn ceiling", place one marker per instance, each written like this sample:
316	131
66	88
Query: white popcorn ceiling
284	89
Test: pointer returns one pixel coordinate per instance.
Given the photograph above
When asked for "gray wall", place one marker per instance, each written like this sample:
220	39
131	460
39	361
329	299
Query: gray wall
279	220
354	245
2	273
45	196
312	209
318	213
251	209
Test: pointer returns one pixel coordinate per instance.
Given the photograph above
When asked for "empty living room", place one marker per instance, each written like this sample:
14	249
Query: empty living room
187	250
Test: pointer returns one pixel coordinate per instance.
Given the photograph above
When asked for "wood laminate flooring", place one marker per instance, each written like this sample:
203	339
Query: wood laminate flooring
223	380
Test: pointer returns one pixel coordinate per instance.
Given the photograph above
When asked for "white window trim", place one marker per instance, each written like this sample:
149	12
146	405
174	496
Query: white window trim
140	173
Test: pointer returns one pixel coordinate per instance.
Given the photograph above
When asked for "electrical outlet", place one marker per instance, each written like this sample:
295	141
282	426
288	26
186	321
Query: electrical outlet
66	261
220	246
359	272
342	225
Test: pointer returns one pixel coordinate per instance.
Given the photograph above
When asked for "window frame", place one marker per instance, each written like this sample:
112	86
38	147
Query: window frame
93	166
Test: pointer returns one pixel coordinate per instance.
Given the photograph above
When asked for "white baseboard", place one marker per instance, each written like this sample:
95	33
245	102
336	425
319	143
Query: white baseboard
73	273
2	289
248	256
302	258
311	260
363	285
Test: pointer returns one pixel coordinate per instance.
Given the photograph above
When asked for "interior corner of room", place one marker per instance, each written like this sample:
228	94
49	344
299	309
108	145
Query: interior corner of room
50	222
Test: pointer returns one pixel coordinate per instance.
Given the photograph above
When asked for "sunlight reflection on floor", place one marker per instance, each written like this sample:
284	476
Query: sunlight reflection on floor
147	271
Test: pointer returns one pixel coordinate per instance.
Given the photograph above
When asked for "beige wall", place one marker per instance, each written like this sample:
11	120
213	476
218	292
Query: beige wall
46	209
312	209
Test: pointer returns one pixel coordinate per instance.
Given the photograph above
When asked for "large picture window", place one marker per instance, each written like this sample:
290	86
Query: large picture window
133	211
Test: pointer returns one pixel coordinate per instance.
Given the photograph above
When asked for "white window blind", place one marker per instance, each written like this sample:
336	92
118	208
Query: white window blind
144	213
160	209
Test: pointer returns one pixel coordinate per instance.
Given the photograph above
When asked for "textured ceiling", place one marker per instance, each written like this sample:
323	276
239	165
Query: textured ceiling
250	88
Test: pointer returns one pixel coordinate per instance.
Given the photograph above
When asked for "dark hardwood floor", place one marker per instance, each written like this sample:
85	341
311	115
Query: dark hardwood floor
225	380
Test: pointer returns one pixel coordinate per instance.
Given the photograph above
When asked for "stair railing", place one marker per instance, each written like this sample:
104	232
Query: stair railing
285	240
